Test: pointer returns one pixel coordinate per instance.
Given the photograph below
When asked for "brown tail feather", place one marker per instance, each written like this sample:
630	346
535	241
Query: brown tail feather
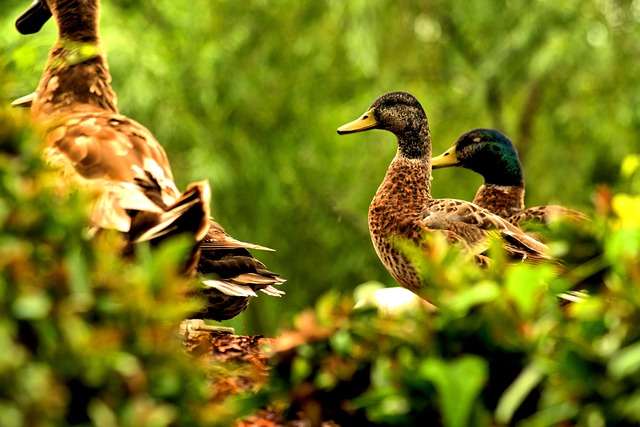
231	275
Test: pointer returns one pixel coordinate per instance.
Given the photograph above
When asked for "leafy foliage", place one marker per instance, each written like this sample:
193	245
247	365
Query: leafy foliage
86	337
502	348
248	94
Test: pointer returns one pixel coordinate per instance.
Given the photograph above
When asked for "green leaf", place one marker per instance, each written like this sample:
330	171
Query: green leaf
458	383
32	306
101	414
481	293
515	394
300	370
526	284
630	164
10	415
625	362
552	416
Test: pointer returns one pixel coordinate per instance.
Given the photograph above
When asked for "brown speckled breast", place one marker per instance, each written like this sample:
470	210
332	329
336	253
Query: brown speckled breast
501	200
508	203
395	213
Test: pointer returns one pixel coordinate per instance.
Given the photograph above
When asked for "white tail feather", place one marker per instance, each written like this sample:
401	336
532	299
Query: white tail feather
230	288
270	290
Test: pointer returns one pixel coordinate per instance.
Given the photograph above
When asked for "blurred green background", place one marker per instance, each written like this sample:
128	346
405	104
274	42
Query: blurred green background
248	94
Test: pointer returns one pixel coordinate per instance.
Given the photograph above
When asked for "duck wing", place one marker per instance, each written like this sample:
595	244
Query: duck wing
470	224
546	214
121	159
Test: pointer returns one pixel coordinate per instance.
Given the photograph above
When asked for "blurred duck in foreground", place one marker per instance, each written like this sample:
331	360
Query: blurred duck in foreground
403	207
75	108
493	155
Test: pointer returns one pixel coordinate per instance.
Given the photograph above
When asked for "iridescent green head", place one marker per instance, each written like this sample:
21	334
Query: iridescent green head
487	152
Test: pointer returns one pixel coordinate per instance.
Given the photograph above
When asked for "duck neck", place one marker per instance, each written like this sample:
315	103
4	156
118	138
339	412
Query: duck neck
415	176
503	189
502	200
414	156
405	192
412	164
409	179
414	142
77	74
77	20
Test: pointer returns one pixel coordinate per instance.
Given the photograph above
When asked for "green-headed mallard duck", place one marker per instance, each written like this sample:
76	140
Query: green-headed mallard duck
493	155
75	107
403	206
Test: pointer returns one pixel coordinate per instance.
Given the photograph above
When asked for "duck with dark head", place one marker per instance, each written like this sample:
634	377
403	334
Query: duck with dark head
491	154
403	206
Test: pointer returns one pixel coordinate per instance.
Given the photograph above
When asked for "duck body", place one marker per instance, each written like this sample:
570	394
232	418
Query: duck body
118	157
76	109
491	154
403	208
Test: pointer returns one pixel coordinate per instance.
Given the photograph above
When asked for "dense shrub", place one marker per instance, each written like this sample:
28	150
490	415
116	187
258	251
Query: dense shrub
537	345
85	337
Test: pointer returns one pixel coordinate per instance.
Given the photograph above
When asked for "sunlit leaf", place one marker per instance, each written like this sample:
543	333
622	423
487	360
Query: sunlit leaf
32	306
625	362
458	383
480	293
630	164
526	285
628	209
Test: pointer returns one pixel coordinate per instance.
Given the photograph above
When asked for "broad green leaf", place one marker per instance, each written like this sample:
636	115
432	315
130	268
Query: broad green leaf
458	383
526	284
480	293
625	362
34	305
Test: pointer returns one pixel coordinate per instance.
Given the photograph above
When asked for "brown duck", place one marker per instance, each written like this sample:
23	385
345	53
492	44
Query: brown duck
491	154
403	206
75	107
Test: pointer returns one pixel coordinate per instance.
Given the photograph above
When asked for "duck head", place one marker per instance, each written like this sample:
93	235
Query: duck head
486	152
401	114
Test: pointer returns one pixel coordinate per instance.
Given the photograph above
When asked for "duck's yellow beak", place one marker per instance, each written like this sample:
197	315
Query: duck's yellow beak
446	159
364	122
25	101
